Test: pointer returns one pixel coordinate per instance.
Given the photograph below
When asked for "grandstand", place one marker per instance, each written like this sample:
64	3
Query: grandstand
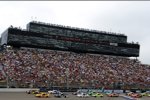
36	63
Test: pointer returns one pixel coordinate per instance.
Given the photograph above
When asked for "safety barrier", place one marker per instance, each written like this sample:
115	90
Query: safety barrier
15	89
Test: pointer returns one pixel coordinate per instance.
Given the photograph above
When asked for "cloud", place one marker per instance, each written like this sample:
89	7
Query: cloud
130	18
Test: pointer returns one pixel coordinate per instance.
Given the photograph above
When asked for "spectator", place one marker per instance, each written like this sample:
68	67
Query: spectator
39	67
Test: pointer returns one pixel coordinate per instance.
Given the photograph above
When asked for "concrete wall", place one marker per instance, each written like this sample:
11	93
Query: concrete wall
15	89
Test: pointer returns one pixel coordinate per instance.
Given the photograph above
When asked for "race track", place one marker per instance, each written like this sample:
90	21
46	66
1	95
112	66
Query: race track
24	96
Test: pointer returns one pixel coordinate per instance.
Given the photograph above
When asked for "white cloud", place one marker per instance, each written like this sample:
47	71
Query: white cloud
130	18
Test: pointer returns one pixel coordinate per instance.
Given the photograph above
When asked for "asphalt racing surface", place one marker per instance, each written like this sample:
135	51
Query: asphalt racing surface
24	96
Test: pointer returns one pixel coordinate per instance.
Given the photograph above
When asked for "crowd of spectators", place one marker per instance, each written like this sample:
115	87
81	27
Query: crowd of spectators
2	77
40	67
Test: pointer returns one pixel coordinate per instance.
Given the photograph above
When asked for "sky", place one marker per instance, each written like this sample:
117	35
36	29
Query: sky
131	18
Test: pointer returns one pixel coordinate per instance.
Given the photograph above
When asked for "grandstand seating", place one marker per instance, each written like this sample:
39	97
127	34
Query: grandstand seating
41	67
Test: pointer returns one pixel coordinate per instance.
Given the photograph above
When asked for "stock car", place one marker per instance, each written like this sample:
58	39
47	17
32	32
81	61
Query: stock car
91	93
113	95
53	91
82	94
78	91
42	95
60	94
32	91
129	93
145	94
75	93
136	95
97	95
